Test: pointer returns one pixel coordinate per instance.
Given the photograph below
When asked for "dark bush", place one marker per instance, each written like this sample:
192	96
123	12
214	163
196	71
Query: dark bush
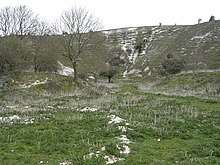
52	87
13	55
129	51
172	65
109	74
46	63
139	47
212	18
117	61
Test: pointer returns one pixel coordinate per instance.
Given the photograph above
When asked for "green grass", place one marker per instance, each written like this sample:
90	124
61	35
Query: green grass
67	136
201	84
192	80
188	128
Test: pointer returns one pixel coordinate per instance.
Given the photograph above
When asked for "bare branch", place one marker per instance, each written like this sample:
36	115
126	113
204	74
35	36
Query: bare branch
5	21
18	21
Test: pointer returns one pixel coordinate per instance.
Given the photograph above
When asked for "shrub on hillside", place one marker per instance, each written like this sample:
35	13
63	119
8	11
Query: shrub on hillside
117	61
139	47
49	65
172	65
109	74
212	18
52	87
13	55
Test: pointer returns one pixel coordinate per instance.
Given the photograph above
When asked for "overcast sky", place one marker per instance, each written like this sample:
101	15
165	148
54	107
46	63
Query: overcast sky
128	13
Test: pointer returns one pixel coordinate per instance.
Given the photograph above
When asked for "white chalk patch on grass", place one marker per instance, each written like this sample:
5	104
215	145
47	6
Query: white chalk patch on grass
10	119
50	107
16	119
92	154
124	139
28	121
65	163
92	77
112	159
88	109
126	150
123	128
125	74
146	69
115	119
89	156
201	37
37	82
11	106
103	149
135	71
64	70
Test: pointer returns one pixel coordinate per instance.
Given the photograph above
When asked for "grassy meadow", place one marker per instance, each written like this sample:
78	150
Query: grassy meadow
103	123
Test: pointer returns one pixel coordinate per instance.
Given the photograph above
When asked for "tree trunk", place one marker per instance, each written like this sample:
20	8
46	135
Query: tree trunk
109	79
75	78
35	65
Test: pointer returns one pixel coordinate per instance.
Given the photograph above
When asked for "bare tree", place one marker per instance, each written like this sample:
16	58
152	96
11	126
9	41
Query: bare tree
18	21
6	20
26	21
38	43
43	28
78	27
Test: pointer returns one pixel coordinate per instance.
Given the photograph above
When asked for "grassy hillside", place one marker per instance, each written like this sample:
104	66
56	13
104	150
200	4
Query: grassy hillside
197	44
142	47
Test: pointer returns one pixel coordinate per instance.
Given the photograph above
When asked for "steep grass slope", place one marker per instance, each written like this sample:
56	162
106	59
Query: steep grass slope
198	45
